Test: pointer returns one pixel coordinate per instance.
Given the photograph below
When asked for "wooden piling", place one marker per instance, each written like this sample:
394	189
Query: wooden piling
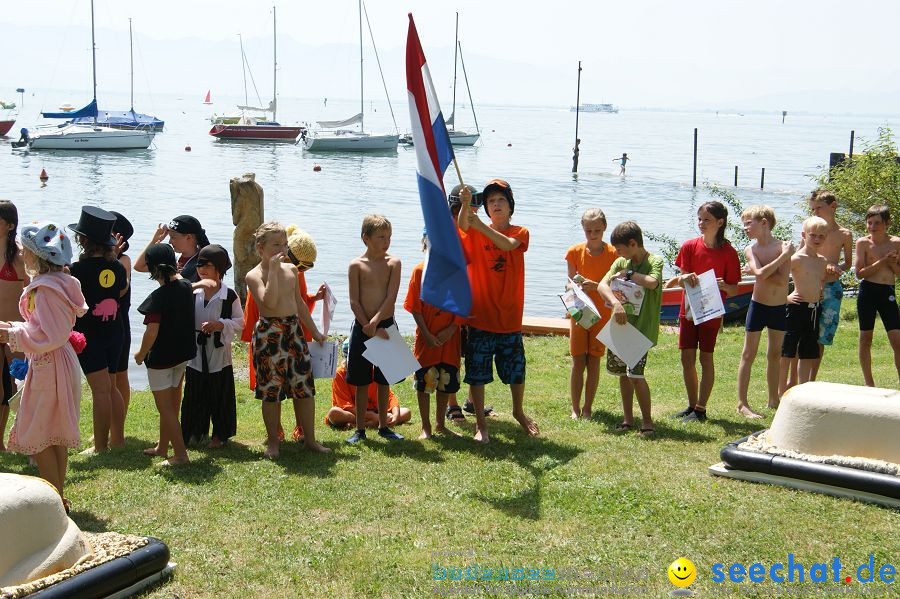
762	178
695	157
852	135
735	175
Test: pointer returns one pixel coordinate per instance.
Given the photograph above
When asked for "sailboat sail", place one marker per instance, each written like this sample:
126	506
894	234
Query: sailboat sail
207	100
89	111
269	108
335	124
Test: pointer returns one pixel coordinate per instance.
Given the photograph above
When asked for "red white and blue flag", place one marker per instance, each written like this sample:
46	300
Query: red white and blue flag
445	283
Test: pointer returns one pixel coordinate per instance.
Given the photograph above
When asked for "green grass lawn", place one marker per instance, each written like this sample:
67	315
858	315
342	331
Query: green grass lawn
364	521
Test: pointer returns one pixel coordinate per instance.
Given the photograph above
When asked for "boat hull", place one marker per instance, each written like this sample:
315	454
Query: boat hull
255	132
5	126
459	138
351	142
735	306
76	137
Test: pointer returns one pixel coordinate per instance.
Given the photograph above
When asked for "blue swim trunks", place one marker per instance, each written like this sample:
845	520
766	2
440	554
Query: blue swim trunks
505	349
832	295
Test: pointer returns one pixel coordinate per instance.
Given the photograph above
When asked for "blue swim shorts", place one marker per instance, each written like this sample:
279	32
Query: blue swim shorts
505	349
830	316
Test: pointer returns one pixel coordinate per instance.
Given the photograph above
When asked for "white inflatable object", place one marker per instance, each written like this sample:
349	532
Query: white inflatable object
36	536
827	419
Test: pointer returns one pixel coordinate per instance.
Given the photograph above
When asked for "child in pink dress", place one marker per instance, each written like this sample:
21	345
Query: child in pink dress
47	421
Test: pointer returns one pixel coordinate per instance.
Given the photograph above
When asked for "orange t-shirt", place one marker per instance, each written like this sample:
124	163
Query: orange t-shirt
498	281
343	394
593	267
436	320
251	316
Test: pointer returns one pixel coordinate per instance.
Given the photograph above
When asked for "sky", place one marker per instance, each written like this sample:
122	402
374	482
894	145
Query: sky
815	56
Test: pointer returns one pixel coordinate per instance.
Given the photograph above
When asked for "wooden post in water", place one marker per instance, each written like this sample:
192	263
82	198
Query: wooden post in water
735	175
852	135
576	150
695	157
783	115
762	178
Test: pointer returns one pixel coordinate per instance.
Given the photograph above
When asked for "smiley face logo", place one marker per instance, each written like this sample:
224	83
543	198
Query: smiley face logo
682	572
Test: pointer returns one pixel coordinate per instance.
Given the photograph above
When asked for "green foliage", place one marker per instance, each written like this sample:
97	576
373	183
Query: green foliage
734	229
872	177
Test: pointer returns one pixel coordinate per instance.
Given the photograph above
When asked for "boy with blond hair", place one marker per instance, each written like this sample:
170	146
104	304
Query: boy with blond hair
280	353
374	283
588	262
804	304
878	266
645	269
768	259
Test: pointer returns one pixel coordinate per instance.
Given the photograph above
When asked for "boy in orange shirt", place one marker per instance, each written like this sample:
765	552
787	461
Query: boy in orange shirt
343	401
591	260
496	255
437	350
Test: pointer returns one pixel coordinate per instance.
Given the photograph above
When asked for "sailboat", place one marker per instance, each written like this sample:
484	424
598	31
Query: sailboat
207	100
459	137
74	136
125	119
255	128
6	120
332	138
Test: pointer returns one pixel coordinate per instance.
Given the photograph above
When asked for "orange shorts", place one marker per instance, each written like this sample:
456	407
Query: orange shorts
583	341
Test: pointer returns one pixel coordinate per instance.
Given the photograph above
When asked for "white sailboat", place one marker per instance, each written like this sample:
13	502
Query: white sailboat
91	136
459	137
332	137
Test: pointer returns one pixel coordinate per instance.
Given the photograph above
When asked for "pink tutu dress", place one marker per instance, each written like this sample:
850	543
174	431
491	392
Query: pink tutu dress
49	409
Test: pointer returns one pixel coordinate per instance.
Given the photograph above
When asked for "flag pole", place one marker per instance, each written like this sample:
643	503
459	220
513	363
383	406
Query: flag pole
458	172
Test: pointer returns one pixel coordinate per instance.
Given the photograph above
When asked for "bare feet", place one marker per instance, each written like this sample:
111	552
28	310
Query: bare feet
586	414
746	412
575	414
154	451
482	436
528	424
426	434
443	430
93	451
272	449
316	446
215	443
174	462
773	404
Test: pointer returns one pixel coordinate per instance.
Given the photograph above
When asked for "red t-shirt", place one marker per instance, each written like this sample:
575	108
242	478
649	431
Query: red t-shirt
498	280
695	257
436	320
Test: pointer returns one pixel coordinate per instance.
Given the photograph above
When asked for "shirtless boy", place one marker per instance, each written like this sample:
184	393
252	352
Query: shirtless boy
280	353
808	272
769	261
823	203
878	266
374	283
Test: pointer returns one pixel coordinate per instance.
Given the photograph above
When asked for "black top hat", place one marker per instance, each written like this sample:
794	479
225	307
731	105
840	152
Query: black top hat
96	224
122	226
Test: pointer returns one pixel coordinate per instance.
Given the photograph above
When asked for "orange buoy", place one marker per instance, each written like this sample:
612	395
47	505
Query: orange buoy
187	148
317	168
44	176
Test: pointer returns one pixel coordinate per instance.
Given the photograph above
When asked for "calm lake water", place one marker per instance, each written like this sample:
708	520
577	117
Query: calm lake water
529	147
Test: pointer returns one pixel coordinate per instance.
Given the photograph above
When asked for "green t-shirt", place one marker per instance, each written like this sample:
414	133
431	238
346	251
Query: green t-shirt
647	322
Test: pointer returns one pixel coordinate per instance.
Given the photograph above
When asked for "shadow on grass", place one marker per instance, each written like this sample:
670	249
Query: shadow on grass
195	472
665	428
295	459
89	522
536	455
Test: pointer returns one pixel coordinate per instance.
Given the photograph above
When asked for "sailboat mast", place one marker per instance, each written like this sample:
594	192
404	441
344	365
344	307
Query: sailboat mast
94	57
361	110
274	64
455	44
131	61
243	68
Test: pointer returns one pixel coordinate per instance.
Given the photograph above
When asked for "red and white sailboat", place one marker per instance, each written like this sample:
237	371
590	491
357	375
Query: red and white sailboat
254	128
6	120
207	100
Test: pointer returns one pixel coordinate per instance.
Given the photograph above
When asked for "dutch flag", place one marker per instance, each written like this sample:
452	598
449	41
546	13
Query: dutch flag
445	283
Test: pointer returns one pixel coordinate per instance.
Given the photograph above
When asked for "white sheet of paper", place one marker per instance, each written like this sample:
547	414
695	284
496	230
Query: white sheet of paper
705	300
391	355
625	341
328	304
323	358
580	294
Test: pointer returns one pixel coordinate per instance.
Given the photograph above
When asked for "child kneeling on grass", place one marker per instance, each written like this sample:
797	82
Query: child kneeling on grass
167	346
343	401
640	266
